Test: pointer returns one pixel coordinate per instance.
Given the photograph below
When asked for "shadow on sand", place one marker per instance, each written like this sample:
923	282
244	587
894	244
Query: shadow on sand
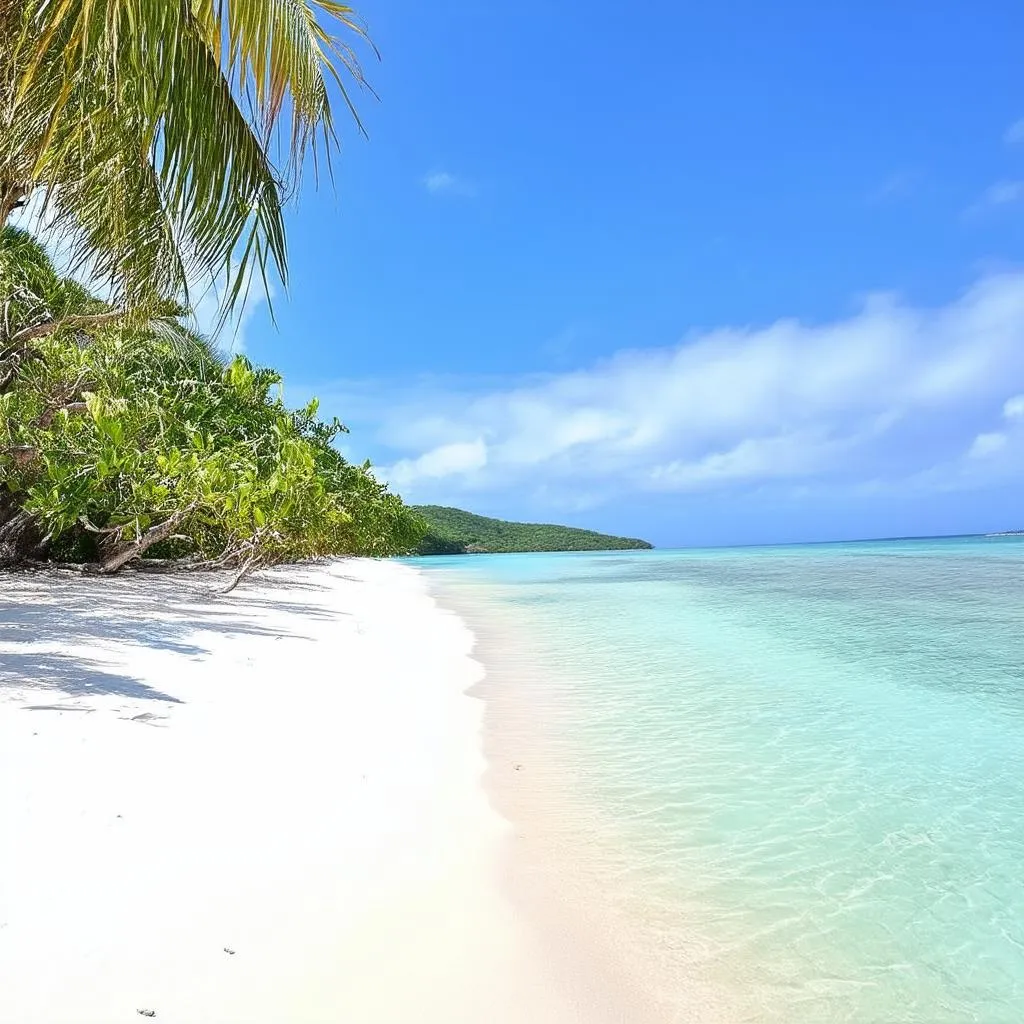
49	621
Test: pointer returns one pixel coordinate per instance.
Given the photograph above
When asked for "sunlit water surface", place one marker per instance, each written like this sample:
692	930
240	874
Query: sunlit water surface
808	761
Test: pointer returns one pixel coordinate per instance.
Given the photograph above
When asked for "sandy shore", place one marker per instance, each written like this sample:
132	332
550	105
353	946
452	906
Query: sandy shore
264	807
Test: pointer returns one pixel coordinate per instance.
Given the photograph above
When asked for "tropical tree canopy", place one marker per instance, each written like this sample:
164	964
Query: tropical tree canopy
122	440
165	135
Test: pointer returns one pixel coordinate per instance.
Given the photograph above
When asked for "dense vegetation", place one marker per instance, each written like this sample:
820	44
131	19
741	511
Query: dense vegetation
158	142
451	531
123	438
162	139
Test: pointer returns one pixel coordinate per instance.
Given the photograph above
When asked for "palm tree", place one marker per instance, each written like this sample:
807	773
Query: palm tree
164	136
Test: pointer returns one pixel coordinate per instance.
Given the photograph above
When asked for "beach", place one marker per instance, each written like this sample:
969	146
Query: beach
259	806
643	788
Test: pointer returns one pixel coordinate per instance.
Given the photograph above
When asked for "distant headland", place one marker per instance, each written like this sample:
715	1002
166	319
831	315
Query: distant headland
453	531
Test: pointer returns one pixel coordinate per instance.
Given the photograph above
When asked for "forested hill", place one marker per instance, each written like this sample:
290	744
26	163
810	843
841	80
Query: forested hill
451	531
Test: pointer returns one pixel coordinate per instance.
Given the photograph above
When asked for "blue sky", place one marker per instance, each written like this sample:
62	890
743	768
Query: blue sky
706	274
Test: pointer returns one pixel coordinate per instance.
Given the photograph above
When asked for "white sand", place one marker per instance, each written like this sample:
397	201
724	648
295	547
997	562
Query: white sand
291	772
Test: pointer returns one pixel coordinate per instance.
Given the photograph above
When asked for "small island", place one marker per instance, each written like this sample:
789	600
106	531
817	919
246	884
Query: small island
453	531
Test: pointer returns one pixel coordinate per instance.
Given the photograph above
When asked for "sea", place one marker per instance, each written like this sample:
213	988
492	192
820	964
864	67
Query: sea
785	783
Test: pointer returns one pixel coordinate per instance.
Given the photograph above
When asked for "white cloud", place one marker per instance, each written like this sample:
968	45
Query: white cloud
999	195
1014	135
990	443
444	183
1003	192
1013	408
881	395
993	456
790	455
446	460
987	444
207	312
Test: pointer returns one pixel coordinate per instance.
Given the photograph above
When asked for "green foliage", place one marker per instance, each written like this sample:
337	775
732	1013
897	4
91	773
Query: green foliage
166	136
451	531
123	441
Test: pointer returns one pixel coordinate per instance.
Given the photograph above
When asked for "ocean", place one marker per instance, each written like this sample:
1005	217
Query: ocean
791	779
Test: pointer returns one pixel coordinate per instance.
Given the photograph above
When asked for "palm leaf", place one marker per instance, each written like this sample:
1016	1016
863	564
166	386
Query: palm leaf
150	123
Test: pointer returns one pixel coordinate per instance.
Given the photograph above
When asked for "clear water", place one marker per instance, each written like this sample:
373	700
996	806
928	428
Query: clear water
811	759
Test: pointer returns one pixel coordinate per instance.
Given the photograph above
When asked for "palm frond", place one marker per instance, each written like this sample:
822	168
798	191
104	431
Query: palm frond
150	125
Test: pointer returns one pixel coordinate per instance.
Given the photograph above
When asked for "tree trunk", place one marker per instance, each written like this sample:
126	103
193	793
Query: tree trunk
12	197
124	554
19	535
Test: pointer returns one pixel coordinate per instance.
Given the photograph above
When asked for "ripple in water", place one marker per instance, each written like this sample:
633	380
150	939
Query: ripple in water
797	770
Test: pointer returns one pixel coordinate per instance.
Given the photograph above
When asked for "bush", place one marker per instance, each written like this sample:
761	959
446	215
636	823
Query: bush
126	439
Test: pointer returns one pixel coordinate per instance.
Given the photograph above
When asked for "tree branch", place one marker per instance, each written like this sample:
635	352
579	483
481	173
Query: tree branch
84	321
153	535
251	565
47	417
12	197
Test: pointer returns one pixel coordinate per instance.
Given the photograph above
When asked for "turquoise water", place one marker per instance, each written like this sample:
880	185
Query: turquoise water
806	764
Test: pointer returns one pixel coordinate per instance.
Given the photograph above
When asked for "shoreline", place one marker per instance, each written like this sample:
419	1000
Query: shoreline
257	807
567	867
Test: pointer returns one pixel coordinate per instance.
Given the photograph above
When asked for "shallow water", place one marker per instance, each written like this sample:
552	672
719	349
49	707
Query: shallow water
803	764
